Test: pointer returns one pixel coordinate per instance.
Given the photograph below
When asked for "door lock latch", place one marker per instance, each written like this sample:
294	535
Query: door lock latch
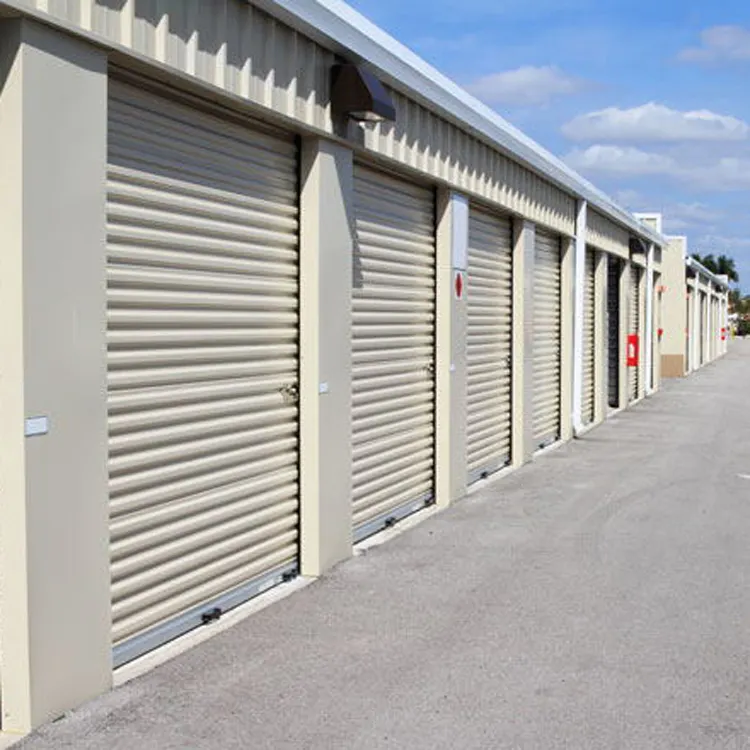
290	393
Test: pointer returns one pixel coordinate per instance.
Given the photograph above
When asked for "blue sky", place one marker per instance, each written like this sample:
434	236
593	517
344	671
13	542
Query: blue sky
648	99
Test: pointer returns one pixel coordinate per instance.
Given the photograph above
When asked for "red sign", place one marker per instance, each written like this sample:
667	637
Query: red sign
459	285
633	349
661	332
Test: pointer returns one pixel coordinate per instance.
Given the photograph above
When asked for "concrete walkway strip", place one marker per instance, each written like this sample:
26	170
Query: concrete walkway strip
598	598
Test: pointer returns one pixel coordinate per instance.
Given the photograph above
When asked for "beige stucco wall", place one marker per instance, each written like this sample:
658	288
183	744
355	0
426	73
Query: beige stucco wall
450	360
53	515
326	246
674	308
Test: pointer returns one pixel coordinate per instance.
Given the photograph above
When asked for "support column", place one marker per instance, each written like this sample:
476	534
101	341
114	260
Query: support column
579	282
649	338
566	344
624	308
642	333
601	341
54	526
519	407
326	249
696	332
450	361
523	446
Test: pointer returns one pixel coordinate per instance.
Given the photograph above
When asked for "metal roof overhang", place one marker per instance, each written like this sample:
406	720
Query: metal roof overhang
345	31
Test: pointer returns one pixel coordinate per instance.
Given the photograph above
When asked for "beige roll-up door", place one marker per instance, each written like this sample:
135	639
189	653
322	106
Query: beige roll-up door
589	337
393	350
489	302
547	339
702	328
202	292
634	309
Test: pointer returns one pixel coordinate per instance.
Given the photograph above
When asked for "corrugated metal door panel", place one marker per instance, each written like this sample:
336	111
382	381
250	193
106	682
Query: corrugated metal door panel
589	337
202	302
613	330
490	314
634	307
703	328
393	349
547	338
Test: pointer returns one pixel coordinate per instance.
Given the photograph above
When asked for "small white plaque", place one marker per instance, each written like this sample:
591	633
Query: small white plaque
460	232
34	426
324	388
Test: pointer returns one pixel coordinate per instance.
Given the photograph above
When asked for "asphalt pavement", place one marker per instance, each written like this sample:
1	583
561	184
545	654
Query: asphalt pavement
597	598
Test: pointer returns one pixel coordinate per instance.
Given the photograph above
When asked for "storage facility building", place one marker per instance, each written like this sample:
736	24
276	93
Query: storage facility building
270	284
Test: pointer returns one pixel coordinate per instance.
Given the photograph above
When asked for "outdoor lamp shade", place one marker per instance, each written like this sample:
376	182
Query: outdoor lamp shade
358	94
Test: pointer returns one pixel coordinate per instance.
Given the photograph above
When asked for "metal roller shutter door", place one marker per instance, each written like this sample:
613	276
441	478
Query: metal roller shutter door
202	295
702	328
490	297
547	336
393	350
589	338
634	307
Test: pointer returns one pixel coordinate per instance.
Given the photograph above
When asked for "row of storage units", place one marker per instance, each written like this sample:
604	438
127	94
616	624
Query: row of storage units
245	253
706	329
203	357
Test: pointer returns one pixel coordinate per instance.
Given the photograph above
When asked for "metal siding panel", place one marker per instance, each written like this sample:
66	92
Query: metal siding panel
393	348
489	302
547	338
604	234
589	338
202	290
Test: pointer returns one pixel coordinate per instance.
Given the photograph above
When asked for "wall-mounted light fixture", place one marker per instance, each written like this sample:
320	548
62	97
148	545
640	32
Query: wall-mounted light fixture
357	93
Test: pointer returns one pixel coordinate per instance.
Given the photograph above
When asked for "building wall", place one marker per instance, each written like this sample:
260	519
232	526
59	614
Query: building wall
54	553
604	234
244	52
674	315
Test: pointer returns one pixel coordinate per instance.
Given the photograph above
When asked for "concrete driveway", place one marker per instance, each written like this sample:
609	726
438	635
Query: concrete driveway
598	598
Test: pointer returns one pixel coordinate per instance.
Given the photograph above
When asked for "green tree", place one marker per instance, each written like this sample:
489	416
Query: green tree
722	266
725	266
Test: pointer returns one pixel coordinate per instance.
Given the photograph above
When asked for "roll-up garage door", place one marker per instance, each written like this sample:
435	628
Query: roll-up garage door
393	350
702	329
634	309
589	337
547	336
490	297
202	294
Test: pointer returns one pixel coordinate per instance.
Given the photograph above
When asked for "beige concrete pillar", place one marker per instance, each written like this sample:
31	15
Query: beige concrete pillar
523	445
450	361
54	556
326	249
601	342
567	311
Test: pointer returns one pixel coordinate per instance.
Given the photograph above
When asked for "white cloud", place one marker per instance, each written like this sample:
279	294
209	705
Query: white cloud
720	44
623	160
720	174
694	213
526	86
682	217
654	122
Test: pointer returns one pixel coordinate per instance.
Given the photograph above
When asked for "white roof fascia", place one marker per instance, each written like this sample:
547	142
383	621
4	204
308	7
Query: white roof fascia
703	271
347	31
